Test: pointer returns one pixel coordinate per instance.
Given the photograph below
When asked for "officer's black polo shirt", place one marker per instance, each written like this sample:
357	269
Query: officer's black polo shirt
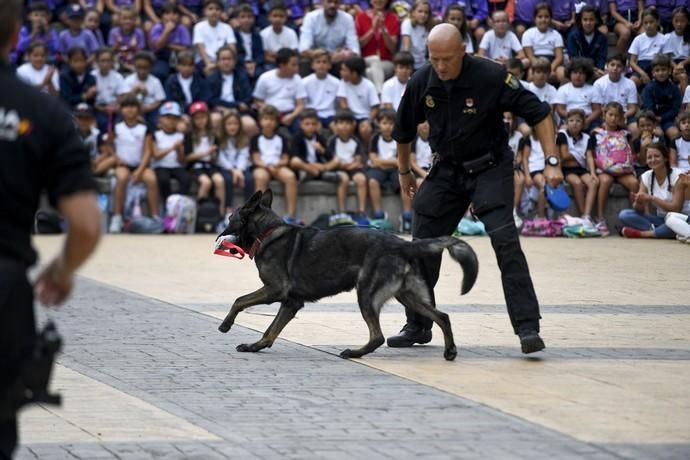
39	150
466	121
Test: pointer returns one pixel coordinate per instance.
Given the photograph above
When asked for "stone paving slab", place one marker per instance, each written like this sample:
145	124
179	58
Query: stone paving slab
294	402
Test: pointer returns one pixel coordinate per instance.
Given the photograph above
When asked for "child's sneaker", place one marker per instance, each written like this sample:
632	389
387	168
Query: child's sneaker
291	220
405	222
630	232
602	227
380	215
115	224
362	220
339	219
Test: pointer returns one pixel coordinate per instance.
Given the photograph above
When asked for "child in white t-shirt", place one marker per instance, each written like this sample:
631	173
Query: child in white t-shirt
680	151
270	157
108	84
168	151
515	142
414	31
233	157
579	93
544	41
678	43
394	87
321	88
277	36
37	72
211	34
132	145
500	43
615	87
644	47
146	87
533	165
421	155
358	94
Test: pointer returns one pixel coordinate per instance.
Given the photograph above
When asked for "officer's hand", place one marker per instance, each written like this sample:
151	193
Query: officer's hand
54	285
553	175
408	184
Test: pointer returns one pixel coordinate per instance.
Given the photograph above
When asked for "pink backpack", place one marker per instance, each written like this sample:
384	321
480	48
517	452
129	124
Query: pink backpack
541	227
613	154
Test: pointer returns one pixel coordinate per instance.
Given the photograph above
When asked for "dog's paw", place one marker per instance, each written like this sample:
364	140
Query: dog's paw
245	347
345	354
224	327
450	354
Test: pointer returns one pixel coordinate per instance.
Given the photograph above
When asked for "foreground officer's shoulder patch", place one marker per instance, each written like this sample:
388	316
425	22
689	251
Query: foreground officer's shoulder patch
512	82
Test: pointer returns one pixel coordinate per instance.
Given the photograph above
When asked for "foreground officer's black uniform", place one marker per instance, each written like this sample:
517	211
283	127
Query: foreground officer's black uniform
465	118
39	150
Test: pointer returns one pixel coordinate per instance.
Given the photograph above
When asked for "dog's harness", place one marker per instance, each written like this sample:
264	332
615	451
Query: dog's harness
227	248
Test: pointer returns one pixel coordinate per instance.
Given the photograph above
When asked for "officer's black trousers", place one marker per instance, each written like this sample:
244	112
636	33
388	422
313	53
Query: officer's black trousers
17	337
441	202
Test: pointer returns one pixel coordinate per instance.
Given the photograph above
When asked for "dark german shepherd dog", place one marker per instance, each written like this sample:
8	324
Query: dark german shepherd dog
304	264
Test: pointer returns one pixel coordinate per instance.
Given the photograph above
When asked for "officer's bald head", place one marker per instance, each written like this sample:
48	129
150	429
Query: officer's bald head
446	51
10	19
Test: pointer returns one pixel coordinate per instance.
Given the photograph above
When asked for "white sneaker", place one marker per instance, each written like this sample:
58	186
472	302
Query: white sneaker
517	219
115	224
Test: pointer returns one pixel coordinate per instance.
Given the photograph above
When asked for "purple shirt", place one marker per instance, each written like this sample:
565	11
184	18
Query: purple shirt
195	4
480	10
50	38
121	3
601	5
524	10
625	5
125	46
563	10
84	39
179	36
52	4
664	8
438	7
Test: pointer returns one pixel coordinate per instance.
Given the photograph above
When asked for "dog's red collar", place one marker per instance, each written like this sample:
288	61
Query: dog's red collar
260	239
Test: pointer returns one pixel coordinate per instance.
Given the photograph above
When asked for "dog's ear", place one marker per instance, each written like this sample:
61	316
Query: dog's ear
267	198
254	201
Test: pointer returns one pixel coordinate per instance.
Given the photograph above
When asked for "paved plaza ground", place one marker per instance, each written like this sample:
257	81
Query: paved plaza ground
146	375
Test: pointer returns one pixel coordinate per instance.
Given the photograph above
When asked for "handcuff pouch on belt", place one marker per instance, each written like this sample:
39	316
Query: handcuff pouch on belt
481	164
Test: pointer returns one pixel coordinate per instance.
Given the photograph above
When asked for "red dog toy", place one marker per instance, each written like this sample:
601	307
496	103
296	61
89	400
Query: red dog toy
226	248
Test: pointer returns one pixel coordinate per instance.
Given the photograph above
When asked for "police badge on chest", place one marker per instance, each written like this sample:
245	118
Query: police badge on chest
469	107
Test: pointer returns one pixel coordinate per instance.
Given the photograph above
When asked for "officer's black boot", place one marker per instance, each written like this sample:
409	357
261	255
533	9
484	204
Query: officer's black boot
530	342
410	334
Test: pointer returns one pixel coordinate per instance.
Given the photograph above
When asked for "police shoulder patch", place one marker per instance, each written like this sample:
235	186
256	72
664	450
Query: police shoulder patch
512	82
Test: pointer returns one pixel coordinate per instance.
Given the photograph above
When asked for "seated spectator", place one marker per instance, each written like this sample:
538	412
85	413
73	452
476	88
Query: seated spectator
649	133
201	151
76	84
543	41
680	148
644	47
166	38
478	16
665	9
115	7
625	18
76	35
455	14
229	88
153	10
193	10
100	152
186	86
126	40
378	30
309	157
108	84
394	87
331	29
167	151
500	43
662	96
613	158
677	44
516	67
233	157
539	85
563	17
277	35
348	153
359	95
657	189
524	16
92	23
37	72
132	145
533	165
586	41
250	47
615	87
414	31
270	158
420	153
211	34
602	7
515	143
146	87
578	163
383	170
321	88
283	89
579	93
37	30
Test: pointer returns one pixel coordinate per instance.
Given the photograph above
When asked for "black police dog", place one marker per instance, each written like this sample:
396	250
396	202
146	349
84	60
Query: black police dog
303	264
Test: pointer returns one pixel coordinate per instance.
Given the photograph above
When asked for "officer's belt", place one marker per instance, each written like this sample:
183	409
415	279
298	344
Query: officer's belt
7	264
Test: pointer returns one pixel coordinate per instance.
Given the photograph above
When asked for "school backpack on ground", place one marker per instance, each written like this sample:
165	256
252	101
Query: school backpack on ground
144	225
207	216
613	154
180	214
541	227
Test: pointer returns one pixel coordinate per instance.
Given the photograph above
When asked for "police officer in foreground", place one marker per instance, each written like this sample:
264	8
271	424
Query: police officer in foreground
463	99
39	151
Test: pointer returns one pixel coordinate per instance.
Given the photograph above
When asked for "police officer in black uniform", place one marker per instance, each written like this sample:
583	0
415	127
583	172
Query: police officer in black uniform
463	99
40	150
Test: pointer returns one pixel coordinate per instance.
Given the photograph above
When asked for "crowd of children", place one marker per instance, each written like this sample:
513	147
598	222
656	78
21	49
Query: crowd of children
217	95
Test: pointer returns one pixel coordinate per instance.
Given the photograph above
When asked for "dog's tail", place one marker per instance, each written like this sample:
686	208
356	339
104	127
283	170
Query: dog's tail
459	250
